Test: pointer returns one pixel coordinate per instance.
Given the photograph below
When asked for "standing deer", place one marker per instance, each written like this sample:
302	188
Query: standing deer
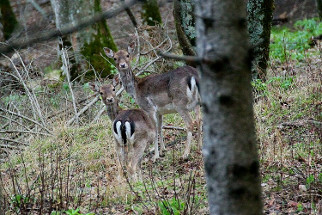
159	94
133	130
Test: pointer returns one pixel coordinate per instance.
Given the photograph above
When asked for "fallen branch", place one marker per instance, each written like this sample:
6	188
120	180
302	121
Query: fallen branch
23	131
173	128
26	118
98	115
10	147
300	123
14	141
83	110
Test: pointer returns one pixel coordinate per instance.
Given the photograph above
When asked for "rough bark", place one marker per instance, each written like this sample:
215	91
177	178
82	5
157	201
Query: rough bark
88	42
151	13
260	14
183	12
7	19
230	149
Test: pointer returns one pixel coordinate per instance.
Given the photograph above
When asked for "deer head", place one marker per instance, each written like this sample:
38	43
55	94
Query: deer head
122	58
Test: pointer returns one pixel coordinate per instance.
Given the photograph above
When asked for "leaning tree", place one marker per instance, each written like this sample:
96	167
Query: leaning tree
230	147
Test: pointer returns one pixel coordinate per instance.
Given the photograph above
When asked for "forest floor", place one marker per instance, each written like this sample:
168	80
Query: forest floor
73	170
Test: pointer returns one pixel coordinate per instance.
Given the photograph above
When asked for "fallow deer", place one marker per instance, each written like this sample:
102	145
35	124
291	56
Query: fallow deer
174	91
133	130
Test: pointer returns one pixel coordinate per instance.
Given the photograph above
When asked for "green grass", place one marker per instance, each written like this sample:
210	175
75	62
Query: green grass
292	44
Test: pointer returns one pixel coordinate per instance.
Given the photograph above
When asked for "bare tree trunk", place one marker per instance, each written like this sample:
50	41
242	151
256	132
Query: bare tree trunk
7	19
183	12
90	41
260	14
151	13
230	149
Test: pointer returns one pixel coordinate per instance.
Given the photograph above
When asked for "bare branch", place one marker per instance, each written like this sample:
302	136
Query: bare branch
65	60
24	131
27	118
44	36
192	59
173	128
14	141
83	110
98	115
130	14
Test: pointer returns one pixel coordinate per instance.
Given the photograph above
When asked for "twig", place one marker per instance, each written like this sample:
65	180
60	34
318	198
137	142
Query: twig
14	141
24	117
37	7
23	131
40	37
83	110
31	96
9	146
66	70
98	115
300	123
173	128
192	59
130	14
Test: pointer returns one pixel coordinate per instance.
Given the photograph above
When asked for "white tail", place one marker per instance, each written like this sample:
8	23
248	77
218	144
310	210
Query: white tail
133	131
170	92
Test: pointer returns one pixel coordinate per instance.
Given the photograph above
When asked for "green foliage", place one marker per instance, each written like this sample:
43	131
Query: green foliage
70	212
173	206
18	201
309	180
300	207
292	44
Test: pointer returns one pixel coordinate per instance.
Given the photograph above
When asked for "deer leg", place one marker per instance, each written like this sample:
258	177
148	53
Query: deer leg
156	147
162	146
199	126
135	163
119	161
189	126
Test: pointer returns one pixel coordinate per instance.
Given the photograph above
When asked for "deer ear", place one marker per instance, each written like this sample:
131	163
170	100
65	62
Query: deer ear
93	87
109	52
116	80
131	47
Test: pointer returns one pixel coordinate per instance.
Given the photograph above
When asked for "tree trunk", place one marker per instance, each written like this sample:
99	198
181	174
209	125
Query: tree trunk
319	7
151	13
230	149
8	19
260	14
90	41
183	12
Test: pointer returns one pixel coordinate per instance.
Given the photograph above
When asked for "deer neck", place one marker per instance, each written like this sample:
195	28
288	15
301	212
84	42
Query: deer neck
113	110
129	82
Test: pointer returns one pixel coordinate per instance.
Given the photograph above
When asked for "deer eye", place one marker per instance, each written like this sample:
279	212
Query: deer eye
101	93
115	58
113	89
127	56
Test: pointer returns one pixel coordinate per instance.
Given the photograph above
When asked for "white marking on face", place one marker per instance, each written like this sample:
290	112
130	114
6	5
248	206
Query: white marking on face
118	135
